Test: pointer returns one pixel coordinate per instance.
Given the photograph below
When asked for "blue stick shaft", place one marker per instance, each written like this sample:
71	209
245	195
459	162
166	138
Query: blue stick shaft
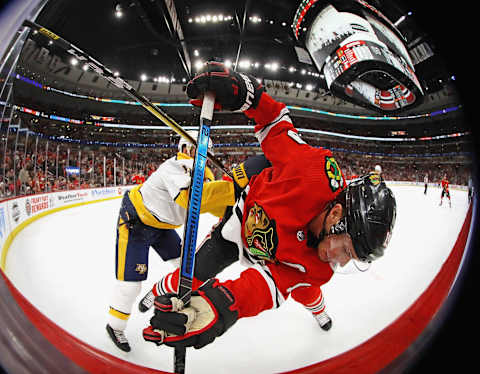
193	216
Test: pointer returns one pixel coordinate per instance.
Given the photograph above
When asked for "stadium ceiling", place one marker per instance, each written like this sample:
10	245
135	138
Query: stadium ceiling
168	38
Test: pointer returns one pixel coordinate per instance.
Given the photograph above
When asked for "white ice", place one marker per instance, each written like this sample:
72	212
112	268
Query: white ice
64	264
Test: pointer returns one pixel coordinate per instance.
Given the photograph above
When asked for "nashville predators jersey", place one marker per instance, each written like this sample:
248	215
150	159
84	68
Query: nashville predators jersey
161	201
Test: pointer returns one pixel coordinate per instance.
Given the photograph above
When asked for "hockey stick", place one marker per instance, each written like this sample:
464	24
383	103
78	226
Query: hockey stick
193	215
107	74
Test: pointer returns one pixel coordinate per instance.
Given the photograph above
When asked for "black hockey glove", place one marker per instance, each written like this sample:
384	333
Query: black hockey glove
207	316
233	91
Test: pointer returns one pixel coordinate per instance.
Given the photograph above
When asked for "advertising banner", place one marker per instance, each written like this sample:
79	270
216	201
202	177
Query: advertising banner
4	227
14	212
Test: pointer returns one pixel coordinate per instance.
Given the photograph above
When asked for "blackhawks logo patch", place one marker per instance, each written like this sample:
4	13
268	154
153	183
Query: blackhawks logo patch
261	234
334	175
375	179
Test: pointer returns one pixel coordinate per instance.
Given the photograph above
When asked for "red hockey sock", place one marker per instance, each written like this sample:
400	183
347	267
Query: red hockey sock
169	284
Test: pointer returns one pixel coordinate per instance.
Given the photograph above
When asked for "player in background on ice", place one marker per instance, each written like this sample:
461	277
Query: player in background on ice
445	191
470	189
425	181
294	224
149	214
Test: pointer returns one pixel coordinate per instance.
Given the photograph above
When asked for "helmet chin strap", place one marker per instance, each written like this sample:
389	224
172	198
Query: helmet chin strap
312	240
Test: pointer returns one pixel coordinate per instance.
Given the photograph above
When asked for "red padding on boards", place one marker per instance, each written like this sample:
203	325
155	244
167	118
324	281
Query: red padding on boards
84	355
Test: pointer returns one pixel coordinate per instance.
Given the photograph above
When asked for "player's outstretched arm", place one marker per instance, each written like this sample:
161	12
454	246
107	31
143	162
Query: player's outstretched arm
242	92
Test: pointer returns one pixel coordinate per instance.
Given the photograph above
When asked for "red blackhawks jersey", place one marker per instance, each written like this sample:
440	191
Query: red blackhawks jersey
445	184
273	213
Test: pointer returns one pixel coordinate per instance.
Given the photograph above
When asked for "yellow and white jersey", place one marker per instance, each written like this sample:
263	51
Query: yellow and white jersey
162	200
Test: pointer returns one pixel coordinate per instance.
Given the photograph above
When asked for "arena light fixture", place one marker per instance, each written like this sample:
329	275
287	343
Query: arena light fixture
244	64
118	11
198	64
211	18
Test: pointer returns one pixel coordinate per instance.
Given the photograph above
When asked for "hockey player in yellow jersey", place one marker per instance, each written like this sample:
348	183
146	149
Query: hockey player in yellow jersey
148	217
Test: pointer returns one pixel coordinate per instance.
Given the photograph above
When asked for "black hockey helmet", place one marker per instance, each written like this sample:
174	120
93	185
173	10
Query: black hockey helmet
370	212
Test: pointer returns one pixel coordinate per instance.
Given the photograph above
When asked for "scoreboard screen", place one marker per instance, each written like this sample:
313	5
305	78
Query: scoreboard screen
360	52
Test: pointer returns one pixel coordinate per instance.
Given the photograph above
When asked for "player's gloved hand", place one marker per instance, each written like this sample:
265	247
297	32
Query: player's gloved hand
207	316
233	91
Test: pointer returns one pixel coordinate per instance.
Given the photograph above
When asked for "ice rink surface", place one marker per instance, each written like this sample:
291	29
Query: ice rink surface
64	265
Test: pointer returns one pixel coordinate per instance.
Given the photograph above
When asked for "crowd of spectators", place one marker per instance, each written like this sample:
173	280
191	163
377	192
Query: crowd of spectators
33	166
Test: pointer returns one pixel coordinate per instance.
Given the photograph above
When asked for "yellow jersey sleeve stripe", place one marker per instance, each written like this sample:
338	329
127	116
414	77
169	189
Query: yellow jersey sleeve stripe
216	196
145	216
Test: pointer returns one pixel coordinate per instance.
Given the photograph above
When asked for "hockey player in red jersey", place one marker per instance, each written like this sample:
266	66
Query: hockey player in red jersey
293	225
445	191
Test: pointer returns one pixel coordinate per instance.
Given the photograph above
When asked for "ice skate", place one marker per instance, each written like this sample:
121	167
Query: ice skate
118	338
147	302
324	321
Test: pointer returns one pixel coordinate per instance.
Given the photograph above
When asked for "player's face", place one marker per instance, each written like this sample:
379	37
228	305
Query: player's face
336	249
